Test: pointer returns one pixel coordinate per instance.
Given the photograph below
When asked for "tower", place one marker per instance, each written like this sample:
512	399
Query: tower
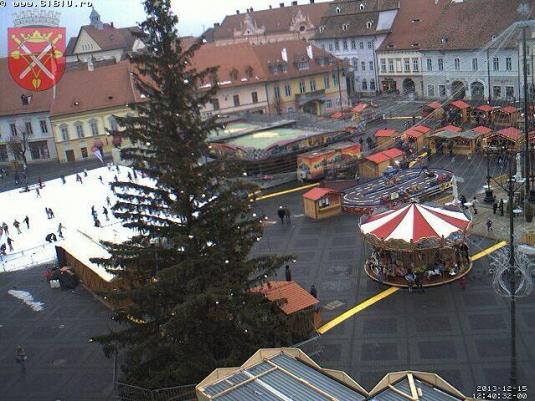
94	19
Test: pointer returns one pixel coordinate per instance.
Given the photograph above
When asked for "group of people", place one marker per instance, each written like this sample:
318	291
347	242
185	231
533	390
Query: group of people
105	212
284	215
4	232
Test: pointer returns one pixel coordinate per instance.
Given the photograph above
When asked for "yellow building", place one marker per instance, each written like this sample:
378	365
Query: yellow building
83	114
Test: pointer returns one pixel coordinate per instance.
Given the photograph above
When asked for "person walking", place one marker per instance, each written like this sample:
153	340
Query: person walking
16	224
489	226
60	230
135	174
494	207
5	227
281	213
27	221
500	206
85	172
129	175
40	182
105	213
20	358
51	213
100	179
63	180
79	179
37	192
47	213
115	178
287	215
108	201
10	244
474	205
97	222
288	273
314	291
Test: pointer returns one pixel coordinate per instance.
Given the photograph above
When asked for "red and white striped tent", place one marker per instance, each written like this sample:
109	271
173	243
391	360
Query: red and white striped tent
415	222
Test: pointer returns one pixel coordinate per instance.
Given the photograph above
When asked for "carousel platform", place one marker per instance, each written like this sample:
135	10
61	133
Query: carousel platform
385	191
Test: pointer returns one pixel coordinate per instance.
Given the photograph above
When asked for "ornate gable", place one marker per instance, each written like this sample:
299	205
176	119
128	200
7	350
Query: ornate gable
301	22
249	27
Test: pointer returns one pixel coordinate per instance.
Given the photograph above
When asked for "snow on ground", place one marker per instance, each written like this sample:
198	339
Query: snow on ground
71	204
27	298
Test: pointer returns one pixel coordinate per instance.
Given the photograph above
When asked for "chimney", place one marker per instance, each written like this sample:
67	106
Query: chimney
294	3
111	23
251	10
311	1
216	24
270	6
238	12
281	5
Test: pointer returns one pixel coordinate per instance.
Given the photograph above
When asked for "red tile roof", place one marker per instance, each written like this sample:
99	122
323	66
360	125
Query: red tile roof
295	298
105	87
511	133
10	95
485	107
318	193
434	105
451	128
381	157
359	108
414	133
460	104
421	128
482	130
509	109
108	38
385	133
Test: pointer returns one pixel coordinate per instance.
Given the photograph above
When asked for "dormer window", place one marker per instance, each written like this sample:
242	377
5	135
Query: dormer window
390	46
415	20
415	44
233	74
345	27
369	24
444	40
362	6
302	65
302	28
249	71
338	10
322	28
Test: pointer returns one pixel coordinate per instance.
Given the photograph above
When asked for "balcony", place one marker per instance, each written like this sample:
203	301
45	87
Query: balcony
303	98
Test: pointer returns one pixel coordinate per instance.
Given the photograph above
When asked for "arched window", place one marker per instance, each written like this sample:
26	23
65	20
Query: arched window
93	125
361	6
369	24
113	123
79	129
64	129
338	10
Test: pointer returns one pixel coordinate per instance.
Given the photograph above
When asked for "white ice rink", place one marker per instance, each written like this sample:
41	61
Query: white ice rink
71	204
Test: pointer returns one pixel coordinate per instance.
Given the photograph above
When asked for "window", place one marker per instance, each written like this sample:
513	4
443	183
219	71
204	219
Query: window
326	82
431	90
372	84
113	123
371	65
338	10
442	90
457	64
496	64
338	101
302	65
329	103
508	64
215	103
509	91
28	127
277	92
383	65
64	132
302	87
429	64
415	65
44	126
353	44
312	85
335	79
254	97
94	127
288	90
364	85
344	44
369	24
361	45
83	151
497	91
3	153
290	109
355	63
361	6
236	100
13	128
336	45
441	64
474	64
39	150
322	28
390	65
407	65
363	65
79	130
330	47
370	45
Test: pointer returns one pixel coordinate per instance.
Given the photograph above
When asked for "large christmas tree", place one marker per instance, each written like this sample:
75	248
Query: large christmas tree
185	273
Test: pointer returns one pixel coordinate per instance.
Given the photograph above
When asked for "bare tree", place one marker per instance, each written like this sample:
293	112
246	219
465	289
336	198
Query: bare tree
19	144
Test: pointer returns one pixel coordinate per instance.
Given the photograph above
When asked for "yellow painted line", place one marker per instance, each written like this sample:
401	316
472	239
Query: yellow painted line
402	118
288	191
389	291
353	311
488	251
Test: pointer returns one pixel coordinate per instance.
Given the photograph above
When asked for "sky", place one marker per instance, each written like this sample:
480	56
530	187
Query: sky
194	15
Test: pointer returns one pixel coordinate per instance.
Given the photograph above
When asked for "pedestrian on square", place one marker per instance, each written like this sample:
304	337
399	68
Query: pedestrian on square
93	211
463	201
10	244
63	180
60	230
16	224
105	212
281	213
287	215
115	178
418	279
27	221
37	192
47	213
20	358
129	175
410	279
100	179
96	222
51	213
489	226
474	208
85	172
40	181
79	179
135	174
494	207
500	206
108	201
5	227
314	291
3	249
288	273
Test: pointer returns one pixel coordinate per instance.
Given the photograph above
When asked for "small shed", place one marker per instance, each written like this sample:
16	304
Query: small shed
417	136
433	111
459	110
320	203
375	164
482	115
507	116
385	138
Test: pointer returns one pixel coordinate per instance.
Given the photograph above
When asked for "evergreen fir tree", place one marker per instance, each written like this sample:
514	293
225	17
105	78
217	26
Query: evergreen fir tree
185	274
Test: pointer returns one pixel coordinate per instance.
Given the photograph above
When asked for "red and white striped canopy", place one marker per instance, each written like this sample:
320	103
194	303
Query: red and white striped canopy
415	222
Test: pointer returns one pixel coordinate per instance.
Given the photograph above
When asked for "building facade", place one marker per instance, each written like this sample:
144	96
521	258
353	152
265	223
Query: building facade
24	122
401	72
352	31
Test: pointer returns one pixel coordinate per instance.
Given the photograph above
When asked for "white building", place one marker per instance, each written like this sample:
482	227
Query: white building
353	31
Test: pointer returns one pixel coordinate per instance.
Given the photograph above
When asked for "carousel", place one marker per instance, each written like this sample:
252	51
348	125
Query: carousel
417	245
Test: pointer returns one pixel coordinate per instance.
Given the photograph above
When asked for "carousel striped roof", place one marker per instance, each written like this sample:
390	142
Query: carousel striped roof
415	222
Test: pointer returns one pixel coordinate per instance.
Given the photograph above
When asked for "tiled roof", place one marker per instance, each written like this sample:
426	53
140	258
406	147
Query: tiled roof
351	7
482	130
460	104
451	128
295	298
385	155
317	193
414	133
274	20
84	90
10	95
485	107
108	38
434	105
511	133
385	133
421	128
509	109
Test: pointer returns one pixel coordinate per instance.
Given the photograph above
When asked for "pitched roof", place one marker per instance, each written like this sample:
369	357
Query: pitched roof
317	193
10	98
414	133
108	38
295	297
511	133
385	133
344	26
482	130
385	155
460	104
273	20
84	90
451	128
434	105
485	107
509	109
421	128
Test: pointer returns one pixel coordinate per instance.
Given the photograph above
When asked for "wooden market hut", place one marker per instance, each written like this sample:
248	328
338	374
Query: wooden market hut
509	137
385	138
482	115
417	135
441	141
375	164
320	203
460	108
433	111
505	117
296	303
481	129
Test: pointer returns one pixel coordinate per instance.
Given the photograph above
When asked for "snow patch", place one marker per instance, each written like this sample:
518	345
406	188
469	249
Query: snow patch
27	298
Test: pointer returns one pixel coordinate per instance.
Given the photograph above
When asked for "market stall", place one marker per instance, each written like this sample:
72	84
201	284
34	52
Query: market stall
416	136
508	138
337	157
375	164
482	115
433	111
320	203
458	111
417	243
507	116
456	143
385	138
